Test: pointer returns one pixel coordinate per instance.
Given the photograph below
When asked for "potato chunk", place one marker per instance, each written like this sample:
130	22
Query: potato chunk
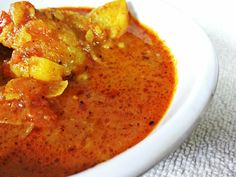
49	45
14	91
9	92
21	12
39	68
44	69
56	88
112	18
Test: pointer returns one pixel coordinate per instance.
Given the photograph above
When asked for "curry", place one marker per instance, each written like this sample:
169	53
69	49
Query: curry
78	87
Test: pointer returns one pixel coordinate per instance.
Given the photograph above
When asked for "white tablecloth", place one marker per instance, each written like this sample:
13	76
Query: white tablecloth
211	149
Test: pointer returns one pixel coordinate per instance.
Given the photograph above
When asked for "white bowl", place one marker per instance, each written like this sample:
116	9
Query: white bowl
197	78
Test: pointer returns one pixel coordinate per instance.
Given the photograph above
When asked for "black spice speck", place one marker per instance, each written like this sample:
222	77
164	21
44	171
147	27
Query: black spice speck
151	123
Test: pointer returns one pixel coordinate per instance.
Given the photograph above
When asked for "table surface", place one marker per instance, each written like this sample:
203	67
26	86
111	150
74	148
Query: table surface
211	148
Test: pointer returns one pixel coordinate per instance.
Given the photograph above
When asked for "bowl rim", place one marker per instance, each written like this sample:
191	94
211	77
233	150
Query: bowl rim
117	166
129	163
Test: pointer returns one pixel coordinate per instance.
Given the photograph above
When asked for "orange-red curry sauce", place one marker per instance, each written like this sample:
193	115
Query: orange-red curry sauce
117	107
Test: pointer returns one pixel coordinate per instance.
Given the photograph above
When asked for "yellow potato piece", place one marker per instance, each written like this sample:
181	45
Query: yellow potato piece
56	88
11	96
20	69
39	68
45	70
21	38
112	18
20	11
9	92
